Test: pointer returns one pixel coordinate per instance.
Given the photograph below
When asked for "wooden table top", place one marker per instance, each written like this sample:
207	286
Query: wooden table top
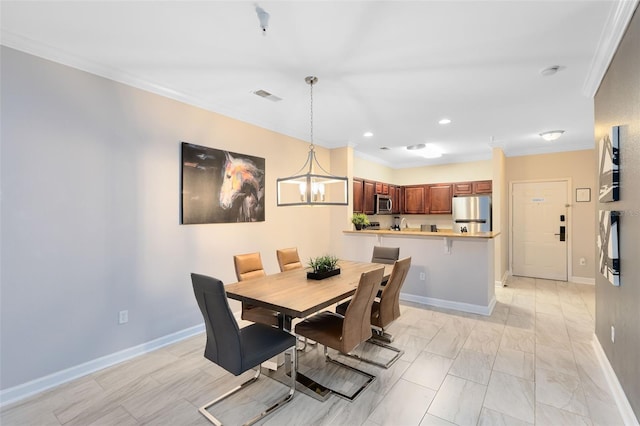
292	294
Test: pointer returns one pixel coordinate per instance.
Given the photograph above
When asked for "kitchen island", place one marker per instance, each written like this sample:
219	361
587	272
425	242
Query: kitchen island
448	270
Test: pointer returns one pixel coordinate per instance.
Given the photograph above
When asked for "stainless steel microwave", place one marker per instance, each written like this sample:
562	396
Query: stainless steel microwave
384	205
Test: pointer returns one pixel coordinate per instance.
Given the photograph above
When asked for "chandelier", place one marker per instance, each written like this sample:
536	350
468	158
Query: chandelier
316	187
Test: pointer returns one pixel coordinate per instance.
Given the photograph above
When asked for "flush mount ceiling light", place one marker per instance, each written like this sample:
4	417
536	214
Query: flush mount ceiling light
549	71
312	188
444	121
431	151
416	147
551	135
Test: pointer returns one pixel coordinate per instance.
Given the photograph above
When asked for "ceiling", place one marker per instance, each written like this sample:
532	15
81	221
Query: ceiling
394	68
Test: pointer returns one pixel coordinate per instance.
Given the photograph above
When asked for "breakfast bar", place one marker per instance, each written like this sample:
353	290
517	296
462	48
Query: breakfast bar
448	270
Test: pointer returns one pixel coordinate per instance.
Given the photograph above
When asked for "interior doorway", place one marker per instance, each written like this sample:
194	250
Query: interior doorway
540	229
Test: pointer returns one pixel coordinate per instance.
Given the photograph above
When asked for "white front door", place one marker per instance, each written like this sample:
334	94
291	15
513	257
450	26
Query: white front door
539	247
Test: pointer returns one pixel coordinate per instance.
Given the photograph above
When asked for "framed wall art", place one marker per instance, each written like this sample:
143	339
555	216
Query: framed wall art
221	186
609	161
609	256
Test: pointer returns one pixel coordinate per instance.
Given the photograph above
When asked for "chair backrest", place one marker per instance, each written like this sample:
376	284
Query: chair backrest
356	327
223	335
386	255
288	259
248	266
390	297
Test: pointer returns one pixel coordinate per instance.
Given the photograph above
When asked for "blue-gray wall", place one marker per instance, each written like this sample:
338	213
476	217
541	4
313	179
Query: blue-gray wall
617	102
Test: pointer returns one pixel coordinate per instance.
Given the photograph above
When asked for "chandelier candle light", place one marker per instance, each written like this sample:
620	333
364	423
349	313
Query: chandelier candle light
312	188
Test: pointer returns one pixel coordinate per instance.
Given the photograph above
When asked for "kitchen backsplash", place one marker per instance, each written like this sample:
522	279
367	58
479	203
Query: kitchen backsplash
442	221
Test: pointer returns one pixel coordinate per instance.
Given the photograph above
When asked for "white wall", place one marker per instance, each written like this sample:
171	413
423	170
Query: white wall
90	186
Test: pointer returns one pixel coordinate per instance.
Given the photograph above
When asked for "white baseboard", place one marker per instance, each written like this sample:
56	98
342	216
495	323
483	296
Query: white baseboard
626	412
25	390
503	281
447	304
583	280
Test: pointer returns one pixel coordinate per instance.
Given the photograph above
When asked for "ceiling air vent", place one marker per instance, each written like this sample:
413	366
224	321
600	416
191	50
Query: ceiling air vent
267	95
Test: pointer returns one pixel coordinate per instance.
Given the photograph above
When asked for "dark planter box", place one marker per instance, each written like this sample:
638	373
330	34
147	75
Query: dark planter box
322	275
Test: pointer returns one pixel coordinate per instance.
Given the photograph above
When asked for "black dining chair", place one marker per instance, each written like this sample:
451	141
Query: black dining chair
238	349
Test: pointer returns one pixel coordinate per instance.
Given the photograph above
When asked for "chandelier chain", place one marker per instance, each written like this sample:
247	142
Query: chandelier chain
311	114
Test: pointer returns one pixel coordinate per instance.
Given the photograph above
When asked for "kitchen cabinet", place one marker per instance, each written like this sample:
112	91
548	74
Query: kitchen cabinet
482	187
463	188
415	199
394	194
440	198
358	195
369	197
382	188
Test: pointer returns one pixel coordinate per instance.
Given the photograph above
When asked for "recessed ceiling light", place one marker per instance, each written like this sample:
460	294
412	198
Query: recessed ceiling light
415	147
367	134
444	121
551	135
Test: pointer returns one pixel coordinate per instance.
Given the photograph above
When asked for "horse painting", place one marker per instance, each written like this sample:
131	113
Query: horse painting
242	189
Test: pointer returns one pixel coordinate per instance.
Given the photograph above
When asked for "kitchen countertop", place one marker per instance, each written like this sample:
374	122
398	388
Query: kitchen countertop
416	232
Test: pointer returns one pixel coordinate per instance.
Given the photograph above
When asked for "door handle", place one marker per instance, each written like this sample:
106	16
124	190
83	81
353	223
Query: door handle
562	234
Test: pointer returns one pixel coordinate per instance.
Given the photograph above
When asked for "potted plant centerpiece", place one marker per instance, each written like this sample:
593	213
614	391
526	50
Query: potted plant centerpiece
323	267
360	220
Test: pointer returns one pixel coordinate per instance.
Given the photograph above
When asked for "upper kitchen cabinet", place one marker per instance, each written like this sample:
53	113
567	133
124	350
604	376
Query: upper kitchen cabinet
394	194
415	199
463	188
382	188
440	198
472	188
369	197
482	187
358	195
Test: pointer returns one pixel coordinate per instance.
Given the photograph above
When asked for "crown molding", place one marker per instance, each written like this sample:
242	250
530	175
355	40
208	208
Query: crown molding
50	53
612	33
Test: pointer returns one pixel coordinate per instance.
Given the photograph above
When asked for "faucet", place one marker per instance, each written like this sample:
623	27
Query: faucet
404	220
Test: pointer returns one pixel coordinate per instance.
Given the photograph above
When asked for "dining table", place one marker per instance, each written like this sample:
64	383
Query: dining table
293	295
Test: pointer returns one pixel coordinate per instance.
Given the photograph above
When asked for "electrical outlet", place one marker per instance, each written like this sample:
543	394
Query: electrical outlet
583	261
422	276
613	334
123	317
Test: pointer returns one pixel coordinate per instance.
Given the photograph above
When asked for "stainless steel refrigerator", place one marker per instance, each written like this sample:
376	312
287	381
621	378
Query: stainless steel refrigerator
472	214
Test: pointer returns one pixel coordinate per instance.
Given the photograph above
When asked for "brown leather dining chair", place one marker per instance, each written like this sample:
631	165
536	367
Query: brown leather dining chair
238	349
345	333
385	310
249	266
288	259
386	255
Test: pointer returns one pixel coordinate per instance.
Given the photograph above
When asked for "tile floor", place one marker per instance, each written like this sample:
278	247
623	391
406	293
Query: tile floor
530	362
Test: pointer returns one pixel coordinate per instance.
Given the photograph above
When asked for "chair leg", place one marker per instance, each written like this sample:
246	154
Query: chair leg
370	377
275	406
399	353
380	334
